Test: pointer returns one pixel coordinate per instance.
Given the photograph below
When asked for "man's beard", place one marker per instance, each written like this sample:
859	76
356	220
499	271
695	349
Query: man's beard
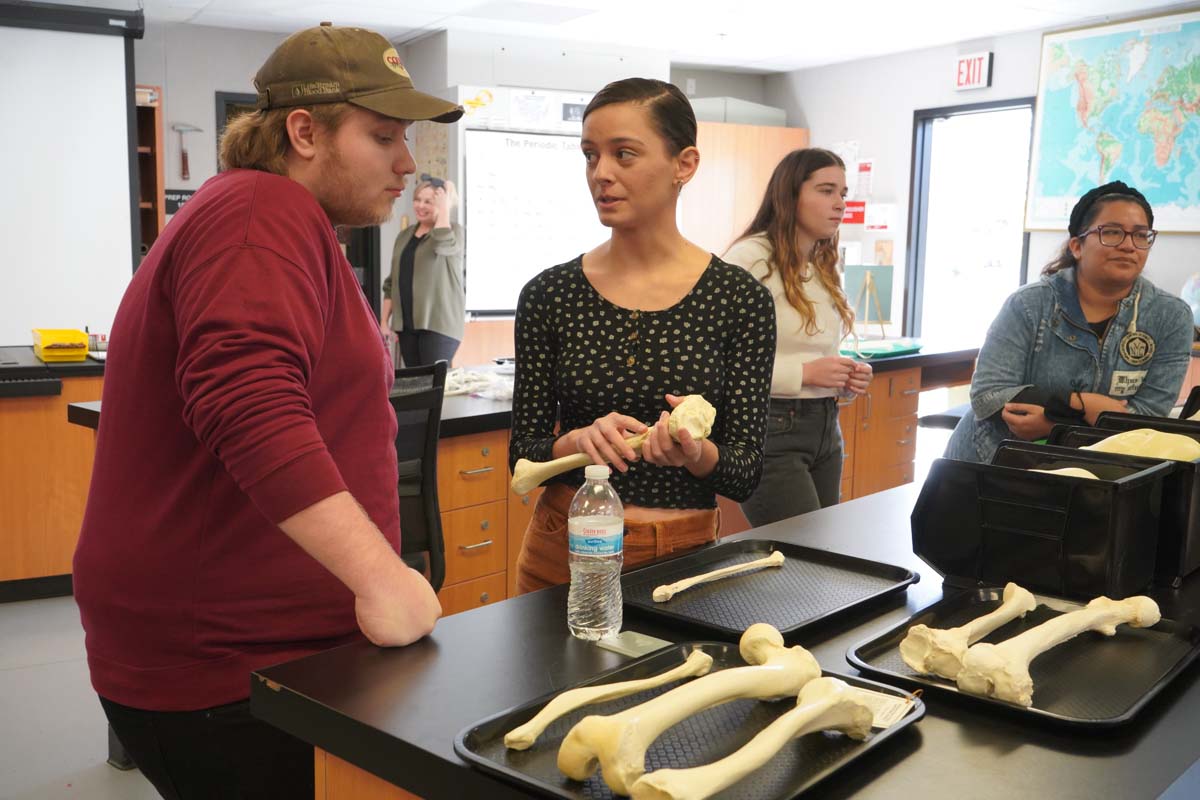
341	200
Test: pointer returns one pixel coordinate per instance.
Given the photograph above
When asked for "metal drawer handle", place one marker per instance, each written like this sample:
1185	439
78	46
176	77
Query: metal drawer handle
910	392
466	548
480	471
484	525
483	598
903	442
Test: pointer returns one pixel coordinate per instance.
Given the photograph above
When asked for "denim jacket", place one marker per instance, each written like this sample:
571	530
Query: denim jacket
1041	338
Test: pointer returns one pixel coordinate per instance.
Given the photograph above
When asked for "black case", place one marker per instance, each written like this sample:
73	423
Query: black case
1179	531
987	524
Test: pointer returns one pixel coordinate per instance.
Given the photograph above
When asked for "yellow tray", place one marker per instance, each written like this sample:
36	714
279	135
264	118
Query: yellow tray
60	344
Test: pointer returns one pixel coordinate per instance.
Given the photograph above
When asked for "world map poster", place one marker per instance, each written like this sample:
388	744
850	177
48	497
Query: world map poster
1119	102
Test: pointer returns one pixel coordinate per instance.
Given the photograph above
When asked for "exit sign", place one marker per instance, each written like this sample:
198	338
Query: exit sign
973	71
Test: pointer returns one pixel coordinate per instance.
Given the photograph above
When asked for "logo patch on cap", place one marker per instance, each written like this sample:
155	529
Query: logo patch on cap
392	59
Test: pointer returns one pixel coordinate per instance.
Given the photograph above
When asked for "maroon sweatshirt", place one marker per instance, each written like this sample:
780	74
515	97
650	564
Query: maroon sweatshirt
246	380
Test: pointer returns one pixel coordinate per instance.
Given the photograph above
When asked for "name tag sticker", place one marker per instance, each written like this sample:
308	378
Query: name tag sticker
1127	382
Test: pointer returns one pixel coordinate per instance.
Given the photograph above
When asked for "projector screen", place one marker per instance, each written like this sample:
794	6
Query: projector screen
526	207
66	255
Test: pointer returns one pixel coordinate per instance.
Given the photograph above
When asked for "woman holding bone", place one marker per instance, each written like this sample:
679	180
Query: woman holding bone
1091	336
618	336
791	248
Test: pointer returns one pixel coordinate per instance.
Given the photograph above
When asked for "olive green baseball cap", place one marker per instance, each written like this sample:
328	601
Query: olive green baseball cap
329	64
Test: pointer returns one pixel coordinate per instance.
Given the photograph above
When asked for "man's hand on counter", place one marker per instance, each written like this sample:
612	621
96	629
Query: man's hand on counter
394	604
400	612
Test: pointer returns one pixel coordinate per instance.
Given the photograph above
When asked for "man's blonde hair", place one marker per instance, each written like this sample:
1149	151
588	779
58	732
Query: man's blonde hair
259	139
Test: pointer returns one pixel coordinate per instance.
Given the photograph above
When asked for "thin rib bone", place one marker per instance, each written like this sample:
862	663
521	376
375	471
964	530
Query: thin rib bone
523	737
664	593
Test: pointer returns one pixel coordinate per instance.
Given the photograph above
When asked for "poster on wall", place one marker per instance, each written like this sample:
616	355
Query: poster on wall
1119	102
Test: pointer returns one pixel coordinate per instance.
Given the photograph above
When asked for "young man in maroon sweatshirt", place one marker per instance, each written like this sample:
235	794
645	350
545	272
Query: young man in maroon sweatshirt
243	506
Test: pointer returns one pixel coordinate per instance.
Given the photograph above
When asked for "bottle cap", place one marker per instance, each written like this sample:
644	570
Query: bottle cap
596	472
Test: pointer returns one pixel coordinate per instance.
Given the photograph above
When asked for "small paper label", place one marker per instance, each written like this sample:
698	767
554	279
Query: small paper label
887	708
591	539
1126	382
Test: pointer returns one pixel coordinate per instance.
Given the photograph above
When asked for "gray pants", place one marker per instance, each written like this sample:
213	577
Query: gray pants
802	461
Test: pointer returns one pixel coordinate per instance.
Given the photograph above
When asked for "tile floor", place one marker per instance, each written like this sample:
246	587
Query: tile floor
53	735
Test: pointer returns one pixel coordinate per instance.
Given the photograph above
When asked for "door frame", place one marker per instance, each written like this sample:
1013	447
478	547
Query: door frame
918	200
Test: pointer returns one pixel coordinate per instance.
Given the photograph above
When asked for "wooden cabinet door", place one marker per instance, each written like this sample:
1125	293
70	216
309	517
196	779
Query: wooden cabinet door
736	163
472	469
45	472
476	541
472	594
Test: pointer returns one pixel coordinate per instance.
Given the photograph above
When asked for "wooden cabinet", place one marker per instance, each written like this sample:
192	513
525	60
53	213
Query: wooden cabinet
151	191
473	494
848	421
45	471
736	161
881	449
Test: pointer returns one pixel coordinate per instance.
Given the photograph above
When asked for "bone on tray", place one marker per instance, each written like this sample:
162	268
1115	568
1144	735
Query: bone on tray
693	414
824	704
523	737
664	593
618	742
1002	670
940	651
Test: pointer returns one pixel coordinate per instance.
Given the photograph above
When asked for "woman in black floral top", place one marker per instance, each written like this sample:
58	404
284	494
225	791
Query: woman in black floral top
615	338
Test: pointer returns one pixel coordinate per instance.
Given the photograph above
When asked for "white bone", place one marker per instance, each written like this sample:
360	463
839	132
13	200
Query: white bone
824	704
1002	670
1071	472
940	651
664	593
1151	443
523	737
617	743
694	413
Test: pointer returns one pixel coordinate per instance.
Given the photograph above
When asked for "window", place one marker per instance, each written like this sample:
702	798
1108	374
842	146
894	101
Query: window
968	250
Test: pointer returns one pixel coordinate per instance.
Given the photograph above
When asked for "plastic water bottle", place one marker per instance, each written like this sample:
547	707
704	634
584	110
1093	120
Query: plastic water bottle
595	531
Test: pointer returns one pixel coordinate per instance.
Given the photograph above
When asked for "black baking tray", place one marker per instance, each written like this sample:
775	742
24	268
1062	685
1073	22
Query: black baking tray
811	588
700	739
1091	681
1179	529
987	524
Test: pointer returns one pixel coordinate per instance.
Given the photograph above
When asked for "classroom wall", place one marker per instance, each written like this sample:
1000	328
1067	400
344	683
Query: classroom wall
751	87
873	101
192	63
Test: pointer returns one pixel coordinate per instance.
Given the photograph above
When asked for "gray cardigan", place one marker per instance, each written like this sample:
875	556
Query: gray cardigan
439	294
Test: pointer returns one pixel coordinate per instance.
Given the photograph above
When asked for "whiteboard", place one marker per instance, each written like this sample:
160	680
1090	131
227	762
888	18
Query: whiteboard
526	207
67	248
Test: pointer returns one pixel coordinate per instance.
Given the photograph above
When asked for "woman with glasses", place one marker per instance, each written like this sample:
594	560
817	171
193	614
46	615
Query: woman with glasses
1092	335
424	298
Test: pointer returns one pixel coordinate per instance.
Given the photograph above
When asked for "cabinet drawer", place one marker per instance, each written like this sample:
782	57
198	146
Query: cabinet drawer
897	441
901	392
891	477
472	594
472	469
476	541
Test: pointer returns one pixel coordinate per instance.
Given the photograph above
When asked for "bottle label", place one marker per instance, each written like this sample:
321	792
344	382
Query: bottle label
589	538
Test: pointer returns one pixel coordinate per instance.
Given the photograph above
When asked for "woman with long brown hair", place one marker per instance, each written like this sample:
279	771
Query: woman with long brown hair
791	248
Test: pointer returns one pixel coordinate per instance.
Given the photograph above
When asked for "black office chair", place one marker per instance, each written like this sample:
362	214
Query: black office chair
417	400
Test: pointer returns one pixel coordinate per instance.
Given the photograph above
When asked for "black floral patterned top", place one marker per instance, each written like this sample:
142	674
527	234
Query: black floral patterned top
580	357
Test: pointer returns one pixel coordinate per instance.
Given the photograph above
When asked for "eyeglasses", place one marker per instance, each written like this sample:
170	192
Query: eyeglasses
1113	236
436	183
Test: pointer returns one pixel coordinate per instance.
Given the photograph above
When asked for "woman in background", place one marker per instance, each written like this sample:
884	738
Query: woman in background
424	296
620	334
791	248
1091	336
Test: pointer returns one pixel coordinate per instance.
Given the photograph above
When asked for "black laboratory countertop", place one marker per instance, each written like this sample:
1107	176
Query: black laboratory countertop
395	712
464	414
